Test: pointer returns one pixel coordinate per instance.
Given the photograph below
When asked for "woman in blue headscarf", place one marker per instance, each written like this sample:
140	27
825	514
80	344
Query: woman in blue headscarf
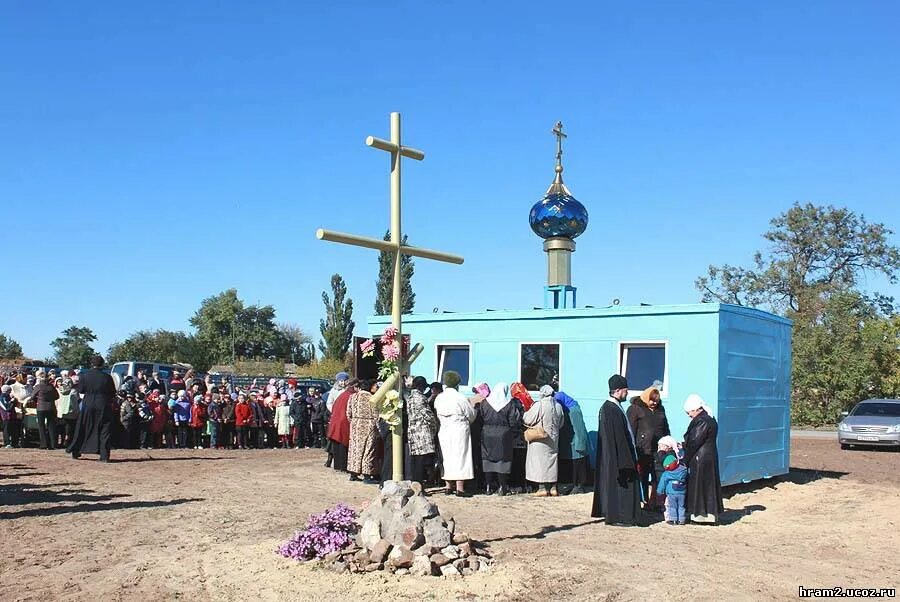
573	441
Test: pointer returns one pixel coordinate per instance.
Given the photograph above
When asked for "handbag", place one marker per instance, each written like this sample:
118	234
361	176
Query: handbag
535	433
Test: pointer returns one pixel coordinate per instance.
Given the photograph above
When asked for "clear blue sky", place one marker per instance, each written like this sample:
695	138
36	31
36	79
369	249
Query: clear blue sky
155	153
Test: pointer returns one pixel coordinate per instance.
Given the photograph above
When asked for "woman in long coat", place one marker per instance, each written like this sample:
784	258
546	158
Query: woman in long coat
648	422
501	418
421	430
361	453
573	441
704	490
523	401
541	462
339	426
455	414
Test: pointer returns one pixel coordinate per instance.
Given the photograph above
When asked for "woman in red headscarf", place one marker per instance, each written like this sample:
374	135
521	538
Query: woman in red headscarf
519	394
518	391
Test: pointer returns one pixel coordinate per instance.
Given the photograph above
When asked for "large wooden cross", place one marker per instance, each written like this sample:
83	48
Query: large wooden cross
395	246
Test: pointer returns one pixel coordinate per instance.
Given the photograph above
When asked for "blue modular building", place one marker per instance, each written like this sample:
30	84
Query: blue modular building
738	359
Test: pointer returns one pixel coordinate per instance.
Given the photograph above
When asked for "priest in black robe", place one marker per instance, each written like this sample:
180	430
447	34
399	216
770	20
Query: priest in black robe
617	495
92	431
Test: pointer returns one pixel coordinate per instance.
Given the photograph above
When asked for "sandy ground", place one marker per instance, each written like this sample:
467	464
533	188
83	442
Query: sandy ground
203	525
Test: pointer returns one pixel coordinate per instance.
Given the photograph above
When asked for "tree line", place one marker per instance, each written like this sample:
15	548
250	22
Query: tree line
227	330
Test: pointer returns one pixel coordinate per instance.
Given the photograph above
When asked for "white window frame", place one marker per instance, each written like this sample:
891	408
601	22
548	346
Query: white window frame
519	359
622	362
439	360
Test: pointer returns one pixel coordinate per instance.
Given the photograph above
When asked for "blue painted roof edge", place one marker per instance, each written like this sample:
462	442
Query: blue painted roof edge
584	312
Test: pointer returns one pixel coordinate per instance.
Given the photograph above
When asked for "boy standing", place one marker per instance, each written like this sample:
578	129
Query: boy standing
674	484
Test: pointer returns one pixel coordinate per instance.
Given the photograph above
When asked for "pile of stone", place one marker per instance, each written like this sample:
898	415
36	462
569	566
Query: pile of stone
403	532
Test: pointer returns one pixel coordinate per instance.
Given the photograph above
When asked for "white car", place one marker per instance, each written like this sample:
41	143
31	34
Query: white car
873	422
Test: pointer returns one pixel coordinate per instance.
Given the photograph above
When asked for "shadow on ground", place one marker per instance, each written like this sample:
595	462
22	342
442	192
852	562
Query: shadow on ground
542	532
21	494
733	515
152	459
19	475
798	476
95	507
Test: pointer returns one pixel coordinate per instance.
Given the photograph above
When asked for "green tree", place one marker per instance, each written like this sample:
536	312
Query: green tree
844	341
294	344
9	348
814	251
217	323
227	328
337	326
384	287
73	348
847	354
164	346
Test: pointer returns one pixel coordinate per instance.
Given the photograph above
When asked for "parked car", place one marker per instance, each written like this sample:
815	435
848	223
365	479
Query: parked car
120	370
321	384
873	422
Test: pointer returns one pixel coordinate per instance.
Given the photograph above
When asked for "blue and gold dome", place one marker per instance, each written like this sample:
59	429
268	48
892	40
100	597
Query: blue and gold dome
558	214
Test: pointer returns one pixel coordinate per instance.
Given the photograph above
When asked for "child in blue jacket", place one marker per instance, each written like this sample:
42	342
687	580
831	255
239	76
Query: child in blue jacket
673	483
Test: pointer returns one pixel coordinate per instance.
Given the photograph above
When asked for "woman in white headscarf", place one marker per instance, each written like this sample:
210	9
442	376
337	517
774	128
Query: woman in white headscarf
541	462
704	490
501	419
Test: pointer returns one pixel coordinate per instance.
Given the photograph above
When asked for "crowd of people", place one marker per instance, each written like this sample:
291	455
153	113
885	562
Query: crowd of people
501	440
498	441
194	413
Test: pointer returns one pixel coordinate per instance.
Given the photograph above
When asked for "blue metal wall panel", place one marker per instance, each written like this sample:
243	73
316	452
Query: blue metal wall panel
754	395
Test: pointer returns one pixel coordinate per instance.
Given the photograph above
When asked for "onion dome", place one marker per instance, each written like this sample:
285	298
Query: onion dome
558	214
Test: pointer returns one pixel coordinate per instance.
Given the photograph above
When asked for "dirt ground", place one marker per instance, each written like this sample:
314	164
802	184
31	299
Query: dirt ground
203	525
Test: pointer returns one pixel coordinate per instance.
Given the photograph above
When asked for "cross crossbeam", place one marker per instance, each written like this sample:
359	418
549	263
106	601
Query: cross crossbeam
397	248
386	245
387	145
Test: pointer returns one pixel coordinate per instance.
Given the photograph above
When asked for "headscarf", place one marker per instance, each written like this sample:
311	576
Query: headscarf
519	392
340	381
668	441
482	389
565	401
546	391
695	402
499	396
646	393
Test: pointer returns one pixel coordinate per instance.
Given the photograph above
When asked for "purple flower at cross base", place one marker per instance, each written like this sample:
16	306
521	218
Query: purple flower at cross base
325	533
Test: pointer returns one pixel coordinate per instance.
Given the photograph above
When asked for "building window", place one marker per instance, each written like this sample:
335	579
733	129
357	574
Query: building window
643	363
455	358
539	365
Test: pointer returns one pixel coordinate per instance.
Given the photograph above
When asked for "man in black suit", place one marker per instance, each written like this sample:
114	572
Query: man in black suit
97	391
